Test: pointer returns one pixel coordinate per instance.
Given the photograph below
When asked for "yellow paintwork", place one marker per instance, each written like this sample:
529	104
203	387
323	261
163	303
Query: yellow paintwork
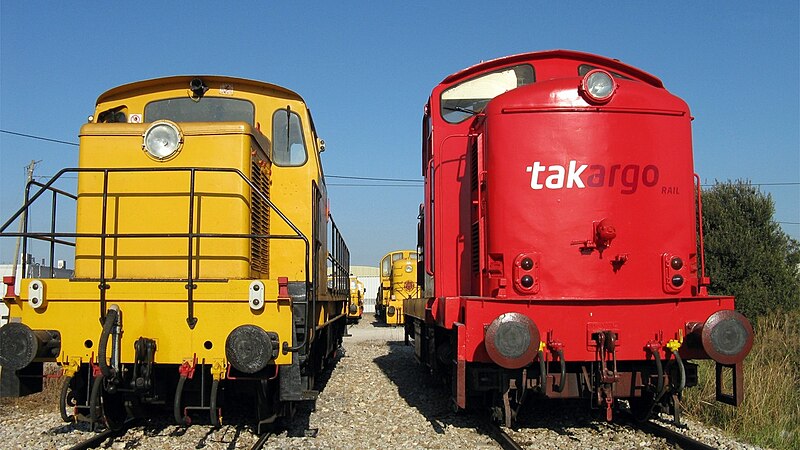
384	293
403	286
156	311
356	298
158	202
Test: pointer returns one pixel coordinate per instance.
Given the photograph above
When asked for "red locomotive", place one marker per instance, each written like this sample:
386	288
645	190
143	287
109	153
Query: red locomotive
559	247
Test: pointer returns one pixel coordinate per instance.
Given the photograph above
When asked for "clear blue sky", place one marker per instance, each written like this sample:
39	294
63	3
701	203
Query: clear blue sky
367	68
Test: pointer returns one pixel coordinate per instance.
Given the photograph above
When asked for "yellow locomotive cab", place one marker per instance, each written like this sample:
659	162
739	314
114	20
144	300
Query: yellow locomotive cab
201	232
356	307
398	283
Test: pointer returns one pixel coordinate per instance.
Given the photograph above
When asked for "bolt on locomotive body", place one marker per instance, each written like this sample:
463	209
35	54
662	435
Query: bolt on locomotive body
202	243
559	253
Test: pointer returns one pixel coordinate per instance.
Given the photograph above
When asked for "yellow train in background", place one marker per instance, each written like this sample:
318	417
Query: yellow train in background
202	245
398	270
356	308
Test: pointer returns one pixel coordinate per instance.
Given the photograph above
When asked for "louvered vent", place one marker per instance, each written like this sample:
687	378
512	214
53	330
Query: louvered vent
260	220
476	254
473	162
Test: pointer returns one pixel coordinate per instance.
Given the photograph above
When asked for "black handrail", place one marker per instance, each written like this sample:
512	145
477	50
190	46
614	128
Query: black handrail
54	237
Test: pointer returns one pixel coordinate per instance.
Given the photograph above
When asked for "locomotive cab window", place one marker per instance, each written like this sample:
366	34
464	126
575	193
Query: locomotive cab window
468	98
207	109
386	267
289	147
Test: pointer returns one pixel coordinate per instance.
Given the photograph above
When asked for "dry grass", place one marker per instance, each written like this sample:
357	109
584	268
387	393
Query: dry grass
770	413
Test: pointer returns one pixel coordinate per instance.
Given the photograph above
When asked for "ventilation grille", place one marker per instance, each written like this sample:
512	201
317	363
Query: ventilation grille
476	253
473	161
259	247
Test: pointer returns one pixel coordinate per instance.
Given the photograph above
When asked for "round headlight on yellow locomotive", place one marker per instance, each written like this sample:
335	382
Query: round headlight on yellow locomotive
409	268
598	85
162	140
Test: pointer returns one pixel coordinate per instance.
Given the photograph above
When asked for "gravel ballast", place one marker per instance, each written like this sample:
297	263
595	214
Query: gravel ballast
375	397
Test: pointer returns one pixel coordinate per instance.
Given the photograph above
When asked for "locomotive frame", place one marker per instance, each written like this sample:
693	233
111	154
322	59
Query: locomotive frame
559	213
200	234
398	283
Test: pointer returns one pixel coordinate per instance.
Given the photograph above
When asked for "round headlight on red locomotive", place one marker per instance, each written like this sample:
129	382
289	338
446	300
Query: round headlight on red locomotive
512	340
598	86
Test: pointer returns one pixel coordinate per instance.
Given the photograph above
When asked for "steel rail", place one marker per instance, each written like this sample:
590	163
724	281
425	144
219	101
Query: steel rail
681	440
262	441
98	439
504	439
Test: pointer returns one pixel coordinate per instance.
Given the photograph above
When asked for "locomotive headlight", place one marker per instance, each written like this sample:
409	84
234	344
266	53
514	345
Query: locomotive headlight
598	85
162	140
409	269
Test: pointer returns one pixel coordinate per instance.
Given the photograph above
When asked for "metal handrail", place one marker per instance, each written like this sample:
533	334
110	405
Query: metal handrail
54	237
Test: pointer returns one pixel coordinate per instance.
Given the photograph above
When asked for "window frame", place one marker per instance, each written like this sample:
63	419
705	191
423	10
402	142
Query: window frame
292	114
477	77
189	101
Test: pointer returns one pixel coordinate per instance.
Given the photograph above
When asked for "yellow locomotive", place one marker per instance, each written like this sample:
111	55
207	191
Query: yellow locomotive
356	308
398	282
202	245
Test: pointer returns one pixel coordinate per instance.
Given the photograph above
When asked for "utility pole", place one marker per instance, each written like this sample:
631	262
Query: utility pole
23	218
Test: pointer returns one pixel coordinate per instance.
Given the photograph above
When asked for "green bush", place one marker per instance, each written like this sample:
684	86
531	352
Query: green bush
770	413
750	257
747	253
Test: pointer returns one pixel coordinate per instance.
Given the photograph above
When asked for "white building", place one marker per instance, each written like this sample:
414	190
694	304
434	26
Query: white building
370	276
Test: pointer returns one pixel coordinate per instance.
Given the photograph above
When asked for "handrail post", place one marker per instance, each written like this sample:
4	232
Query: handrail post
52	235
103	286
702	272
191	320
25	220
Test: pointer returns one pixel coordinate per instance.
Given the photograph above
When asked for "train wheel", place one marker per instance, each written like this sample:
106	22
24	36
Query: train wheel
94	401
67	401
177	406
114	409
215	413
641	408
106	405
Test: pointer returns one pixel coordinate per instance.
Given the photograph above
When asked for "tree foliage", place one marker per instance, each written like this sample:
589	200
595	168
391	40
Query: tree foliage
747	253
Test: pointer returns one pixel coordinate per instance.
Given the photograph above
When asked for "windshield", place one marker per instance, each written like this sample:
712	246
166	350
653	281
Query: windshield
206	109
470	97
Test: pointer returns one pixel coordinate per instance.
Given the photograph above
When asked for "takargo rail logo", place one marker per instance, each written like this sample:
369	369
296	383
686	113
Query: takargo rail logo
581	176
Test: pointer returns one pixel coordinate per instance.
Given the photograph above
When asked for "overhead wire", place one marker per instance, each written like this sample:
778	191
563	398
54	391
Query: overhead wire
382	179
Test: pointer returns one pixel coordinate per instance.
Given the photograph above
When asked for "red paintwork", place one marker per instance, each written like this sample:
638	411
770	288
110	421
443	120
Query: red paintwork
601	254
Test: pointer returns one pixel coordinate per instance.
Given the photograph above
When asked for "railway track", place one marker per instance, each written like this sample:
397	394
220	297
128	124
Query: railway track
262	441
672	436
507	442
504	439
98	439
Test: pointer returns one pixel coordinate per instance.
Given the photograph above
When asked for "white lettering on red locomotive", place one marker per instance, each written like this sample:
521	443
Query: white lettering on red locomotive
628	176
556	179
